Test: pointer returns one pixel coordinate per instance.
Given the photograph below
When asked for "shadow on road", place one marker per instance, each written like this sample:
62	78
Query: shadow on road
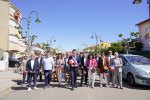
20	86
137	87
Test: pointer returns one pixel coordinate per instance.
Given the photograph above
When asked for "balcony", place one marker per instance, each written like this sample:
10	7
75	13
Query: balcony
13	30
16	47
16	44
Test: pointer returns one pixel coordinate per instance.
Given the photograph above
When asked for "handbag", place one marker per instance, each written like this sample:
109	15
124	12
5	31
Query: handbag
93	70
105	68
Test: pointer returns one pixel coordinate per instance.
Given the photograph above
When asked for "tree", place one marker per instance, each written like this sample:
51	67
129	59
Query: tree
115	47
129	43
33	37
96	50
38	45
138	46
45	46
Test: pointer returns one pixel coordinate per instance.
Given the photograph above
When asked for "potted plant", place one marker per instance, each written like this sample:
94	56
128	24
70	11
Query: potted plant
18	36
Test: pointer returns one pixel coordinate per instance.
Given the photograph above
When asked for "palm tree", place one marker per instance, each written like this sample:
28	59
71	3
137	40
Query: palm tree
33	37
38	45
45	46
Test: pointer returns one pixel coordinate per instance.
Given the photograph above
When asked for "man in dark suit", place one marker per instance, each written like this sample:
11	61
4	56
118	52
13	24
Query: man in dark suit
40	63
32	70
84	69
74	62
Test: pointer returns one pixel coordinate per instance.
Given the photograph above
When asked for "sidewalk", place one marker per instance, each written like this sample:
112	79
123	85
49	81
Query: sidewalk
7	80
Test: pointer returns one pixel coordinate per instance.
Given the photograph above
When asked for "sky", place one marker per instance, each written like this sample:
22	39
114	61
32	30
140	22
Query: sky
72	22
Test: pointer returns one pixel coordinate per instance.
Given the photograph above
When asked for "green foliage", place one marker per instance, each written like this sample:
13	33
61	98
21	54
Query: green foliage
138	46
96	50
115	47
33	37
132	34
120	35
132	42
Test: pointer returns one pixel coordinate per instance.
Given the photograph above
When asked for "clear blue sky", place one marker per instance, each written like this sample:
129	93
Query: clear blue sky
73	21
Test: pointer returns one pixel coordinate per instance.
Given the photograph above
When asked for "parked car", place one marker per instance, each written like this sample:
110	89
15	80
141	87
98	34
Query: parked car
14	62
136	69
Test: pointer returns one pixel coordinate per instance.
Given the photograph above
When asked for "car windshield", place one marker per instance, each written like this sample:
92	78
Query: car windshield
139	60
13	59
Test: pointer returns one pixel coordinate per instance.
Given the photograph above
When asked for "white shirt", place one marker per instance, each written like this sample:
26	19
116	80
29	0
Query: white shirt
118	62
32	64
39	59
48	62
84	61
74	60
90	64
66	61
110	57
59	62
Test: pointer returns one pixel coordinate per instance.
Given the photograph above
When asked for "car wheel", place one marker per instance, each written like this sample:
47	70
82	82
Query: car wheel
16	65
131	80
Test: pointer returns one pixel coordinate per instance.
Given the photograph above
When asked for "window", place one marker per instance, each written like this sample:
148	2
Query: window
125	62
138	60
1	55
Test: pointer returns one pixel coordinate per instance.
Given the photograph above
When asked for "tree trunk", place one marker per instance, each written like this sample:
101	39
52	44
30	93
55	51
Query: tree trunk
126	51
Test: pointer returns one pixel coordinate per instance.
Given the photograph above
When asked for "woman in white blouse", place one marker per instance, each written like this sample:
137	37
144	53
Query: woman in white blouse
118	70
60	66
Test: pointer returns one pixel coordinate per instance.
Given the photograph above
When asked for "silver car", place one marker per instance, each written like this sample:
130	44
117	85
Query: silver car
136	69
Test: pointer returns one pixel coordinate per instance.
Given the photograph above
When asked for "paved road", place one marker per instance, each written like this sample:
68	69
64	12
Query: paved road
81	93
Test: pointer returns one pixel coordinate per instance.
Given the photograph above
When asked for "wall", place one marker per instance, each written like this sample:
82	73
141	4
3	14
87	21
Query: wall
4	28
144	29
4	62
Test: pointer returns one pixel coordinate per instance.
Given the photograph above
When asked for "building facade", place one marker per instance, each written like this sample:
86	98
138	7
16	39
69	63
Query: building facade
11	42
144	29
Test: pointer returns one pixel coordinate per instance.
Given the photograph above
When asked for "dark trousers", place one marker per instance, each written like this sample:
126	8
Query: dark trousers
48	76
67	75
24	77
84	76
32	77
73	77
40	75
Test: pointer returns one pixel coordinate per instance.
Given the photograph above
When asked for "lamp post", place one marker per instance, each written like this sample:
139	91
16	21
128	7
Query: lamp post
139	1
94	35
51	42
28	25
29	22
58	48
84	46
20	28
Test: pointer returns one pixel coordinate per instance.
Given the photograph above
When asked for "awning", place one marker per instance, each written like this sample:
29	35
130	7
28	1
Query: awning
36	49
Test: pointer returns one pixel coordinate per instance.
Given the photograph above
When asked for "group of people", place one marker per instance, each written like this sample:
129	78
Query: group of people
72	65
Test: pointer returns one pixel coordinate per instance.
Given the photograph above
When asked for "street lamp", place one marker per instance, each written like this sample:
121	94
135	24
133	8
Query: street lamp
84	46
37	20
29	22
59	48
51	42
94	35
139	1
20	27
